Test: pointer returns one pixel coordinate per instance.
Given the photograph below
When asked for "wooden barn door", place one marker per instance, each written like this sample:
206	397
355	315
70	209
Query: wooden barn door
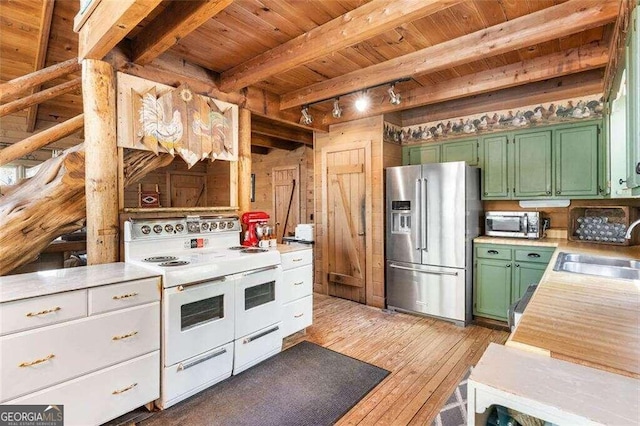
286	199
346	193
188	190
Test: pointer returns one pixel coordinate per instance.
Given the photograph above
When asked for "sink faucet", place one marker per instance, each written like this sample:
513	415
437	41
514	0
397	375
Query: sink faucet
633	225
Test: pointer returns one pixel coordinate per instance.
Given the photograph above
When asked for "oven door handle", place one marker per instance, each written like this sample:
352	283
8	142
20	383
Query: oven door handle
259	335
182	287
186	365
257	271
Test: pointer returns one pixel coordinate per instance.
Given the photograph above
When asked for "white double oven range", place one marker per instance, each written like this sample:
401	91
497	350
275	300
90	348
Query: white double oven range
221	302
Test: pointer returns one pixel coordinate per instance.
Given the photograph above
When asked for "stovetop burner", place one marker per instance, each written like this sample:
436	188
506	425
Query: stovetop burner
175	263
160	259
237	248
254	250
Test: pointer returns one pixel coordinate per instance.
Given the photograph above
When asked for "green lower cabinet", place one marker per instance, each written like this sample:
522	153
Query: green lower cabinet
493	288
532	164
576	161
525	273
422	154
466	150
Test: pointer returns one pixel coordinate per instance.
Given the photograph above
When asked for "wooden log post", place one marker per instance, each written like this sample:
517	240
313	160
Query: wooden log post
101	161
244	160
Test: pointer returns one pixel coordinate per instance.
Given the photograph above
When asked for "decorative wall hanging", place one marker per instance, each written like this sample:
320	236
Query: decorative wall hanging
497	121
160	118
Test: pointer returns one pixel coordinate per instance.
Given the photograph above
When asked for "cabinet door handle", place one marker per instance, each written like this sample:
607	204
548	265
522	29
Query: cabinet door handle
37	361
298	316
46	311
123	390
299	259
534	255
299	283
508	265
517	265
124	296
486	193
492	251
125	336
548	192
558	192
620	181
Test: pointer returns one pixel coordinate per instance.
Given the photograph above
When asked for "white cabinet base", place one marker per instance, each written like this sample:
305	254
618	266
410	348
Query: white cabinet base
297	315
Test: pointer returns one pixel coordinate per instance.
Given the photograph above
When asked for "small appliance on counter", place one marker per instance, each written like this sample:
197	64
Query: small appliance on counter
513	225
254	222
304	232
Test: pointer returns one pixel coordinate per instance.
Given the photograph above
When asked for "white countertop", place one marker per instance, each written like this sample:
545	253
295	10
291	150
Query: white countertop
24	286
287	248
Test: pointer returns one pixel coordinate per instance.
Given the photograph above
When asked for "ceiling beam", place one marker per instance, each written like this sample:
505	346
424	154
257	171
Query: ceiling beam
548	24
570	86
272	129
555	65
362	23
41	56
259	150
109	24
175	22
271	142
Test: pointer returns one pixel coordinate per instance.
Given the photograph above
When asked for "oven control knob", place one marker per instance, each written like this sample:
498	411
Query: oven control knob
204	226
223	225
214	225
157	229
168	228
145	229
179	227
230	225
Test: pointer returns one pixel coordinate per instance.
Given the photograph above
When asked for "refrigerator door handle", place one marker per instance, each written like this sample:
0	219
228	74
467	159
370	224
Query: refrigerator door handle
393	265
423	205
418	213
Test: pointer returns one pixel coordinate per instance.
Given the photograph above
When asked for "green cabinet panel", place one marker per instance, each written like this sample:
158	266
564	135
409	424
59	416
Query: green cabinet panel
633	103
525	273
532	164
466	150
576	161
422	154
495	169
493	288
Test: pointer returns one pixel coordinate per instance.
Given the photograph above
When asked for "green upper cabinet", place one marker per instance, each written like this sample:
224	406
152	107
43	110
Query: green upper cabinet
576	161
532	164
466	150
422	154
495	167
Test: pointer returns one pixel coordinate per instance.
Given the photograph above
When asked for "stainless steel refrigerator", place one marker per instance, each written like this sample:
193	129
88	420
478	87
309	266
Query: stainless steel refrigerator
433	213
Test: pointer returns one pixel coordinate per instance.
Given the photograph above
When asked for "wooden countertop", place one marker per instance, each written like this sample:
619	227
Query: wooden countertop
24	286
586	319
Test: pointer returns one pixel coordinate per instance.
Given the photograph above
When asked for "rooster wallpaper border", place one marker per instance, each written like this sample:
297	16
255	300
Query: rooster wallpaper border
160	118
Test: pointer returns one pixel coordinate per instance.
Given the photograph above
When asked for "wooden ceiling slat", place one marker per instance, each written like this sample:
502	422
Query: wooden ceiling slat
571	17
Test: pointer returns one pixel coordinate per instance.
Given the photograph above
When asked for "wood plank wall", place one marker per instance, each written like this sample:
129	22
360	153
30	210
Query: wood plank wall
262	165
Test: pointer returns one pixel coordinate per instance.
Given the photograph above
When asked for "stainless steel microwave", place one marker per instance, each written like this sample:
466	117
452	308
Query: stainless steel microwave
513	224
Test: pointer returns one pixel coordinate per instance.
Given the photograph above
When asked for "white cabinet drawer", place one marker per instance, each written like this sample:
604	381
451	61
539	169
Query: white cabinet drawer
298	258
118	296
41	311
189	377
104	395
256	347
297	283
297	315
36	359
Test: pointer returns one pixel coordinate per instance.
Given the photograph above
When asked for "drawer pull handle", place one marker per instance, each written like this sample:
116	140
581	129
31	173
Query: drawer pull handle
123	390
298	316
298	259
534	255
492	251
37	361
299	283
124	296
125	336
183	366
259	335
46	311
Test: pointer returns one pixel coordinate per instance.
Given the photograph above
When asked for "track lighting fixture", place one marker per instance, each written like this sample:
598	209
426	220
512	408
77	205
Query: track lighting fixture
306	118
394	98
362	103
337	111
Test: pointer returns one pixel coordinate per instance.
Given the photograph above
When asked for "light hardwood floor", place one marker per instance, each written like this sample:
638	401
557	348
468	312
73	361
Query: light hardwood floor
426	357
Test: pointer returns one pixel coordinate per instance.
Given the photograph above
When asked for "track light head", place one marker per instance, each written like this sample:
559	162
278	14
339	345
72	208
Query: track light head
394	98
306	118
337	111
362	103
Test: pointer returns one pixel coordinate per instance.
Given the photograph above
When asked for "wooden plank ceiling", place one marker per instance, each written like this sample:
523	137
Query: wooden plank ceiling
313	51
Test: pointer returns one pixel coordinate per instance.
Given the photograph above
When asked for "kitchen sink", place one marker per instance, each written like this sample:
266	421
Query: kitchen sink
595	265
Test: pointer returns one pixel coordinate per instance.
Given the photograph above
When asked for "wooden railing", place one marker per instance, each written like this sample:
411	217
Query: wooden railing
19	85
